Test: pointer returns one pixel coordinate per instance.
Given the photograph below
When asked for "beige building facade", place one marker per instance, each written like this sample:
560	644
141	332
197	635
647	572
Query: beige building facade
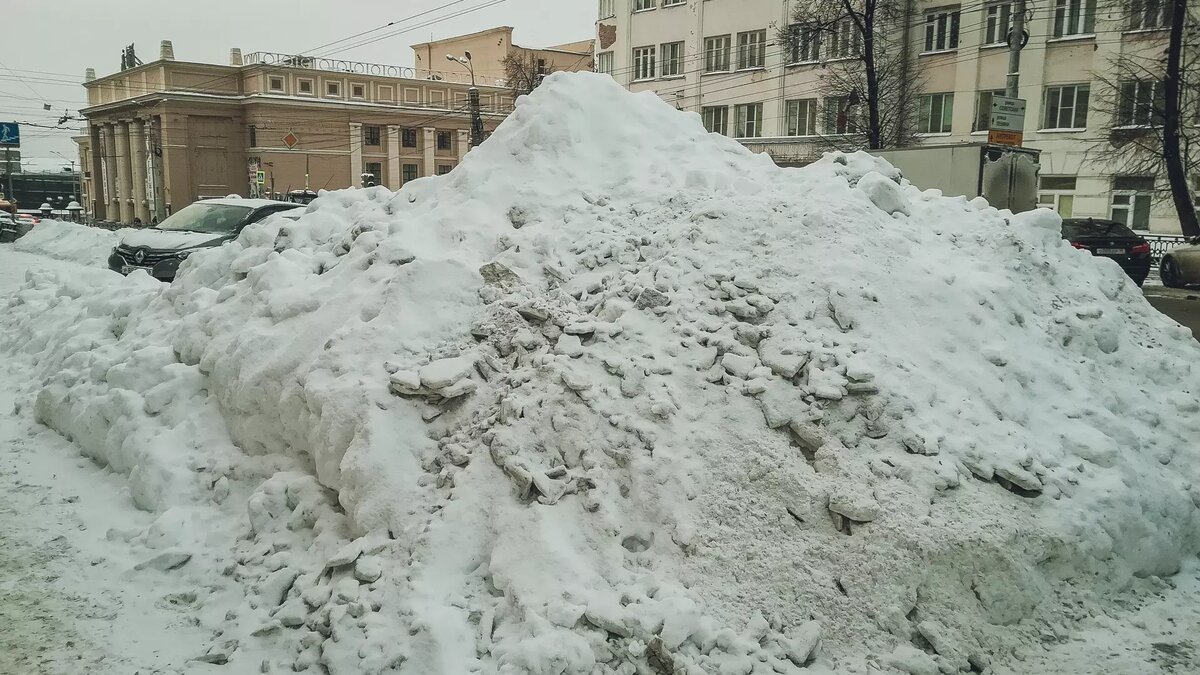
165	134
724	60
490	48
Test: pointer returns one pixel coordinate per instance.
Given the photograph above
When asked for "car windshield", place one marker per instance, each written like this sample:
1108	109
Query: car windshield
206	218
1073	229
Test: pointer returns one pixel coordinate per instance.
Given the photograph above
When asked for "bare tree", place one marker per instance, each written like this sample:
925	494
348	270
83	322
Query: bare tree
1150	121
524	71
864	47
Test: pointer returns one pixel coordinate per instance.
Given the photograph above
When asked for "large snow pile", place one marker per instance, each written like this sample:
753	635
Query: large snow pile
70	241
618	398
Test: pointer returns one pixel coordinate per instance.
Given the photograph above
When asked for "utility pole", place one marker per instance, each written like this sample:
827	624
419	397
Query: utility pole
472	99
1016	41
8	170
1176	176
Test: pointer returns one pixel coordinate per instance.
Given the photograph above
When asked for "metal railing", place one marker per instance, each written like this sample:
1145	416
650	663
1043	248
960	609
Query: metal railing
1161	243
361	68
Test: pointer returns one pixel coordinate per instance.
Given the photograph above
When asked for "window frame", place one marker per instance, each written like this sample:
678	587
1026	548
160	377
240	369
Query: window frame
1133	196
336	84
1057	195
805	46
743	126
720	55
752	55
1058	105
1140	10
312	86
372	132
405	134
643	57
1001	23
1084	19
604	66
441	135
845	41
644	5
943	27
811	114
363	95
716	112
271	84
676	61
608	9
1152	107
833	123
404	172
925	115
378	174
443	169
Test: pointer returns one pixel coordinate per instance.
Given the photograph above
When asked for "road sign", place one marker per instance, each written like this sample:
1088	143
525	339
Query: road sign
1008	114
1000	137
290	140
10	135
261	177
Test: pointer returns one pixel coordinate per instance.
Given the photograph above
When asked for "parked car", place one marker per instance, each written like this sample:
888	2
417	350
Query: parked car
28	219
1181	265
205	224
1112	240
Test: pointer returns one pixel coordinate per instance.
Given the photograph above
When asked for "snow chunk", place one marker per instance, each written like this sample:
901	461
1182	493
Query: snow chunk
445	372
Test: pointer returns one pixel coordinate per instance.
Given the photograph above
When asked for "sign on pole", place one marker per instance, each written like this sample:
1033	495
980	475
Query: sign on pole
1007	121
261	177
10	135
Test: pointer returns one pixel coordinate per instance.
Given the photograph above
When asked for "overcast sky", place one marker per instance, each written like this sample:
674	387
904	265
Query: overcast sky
60	39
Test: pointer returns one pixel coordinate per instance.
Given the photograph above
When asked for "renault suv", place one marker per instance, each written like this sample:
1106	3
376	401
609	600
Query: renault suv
205	224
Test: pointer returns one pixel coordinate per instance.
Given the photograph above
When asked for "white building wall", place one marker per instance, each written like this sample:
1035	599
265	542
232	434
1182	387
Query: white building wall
970	68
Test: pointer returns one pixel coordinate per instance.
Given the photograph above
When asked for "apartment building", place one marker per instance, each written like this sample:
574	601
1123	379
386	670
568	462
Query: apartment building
725	60
167	133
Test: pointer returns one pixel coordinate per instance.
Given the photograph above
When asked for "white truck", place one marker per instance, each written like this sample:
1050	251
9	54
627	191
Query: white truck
1004	175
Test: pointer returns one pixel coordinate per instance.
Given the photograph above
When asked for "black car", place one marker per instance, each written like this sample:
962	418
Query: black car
205	224
1110	239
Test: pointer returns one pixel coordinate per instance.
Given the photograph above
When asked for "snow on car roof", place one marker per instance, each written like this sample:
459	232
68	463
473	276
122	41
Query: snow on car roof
249	203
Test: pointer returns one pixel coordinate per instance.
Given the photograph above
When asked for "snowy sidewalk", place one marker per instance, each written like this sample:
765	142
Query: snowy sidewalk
68	602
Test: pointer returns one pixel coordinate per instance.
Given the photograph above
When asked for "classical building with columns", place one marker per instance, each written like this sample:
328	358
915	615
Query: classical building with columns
167	133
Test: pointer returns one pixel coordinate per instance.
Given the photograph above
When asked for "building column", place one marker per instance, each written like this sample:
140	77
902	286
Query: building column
137	157
111	208
430	147
98	191
356	161
393	157
464	143
124	173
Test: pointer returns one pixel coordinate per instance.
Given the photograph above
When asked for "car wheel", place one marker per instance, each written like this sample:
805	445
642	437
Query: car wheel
1169	274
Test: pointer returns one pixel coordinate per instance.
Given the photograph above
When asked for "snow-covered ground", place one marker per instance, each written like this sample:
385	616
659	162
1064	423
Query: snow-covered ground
618	399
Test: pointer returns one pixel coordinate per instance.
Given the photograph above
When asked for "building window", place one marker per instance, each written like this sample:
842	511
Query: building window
304	86
806	41
333	88
275	83
1131	199
845	41
716	119
802	117
409	172
1141	103
253	137
408	138
749	120
445	140
1058	193
641	5
1066	107
1074	17
607	9
643	63
752	49
716	54
376	171
941	30
997	24
443	169
672	59
839	115
371	135
672	3
983	109
937	110
1149	14
358	91
604	63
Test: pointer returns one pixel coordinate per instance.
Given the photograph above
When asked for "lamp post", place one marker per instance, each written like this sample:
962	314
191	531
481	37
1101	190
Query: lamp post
472	98
78	176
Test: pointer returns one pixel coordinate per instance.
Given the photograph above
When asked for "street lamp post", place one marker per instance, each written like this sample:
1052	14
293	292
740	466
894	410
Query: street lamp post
472	99
78	176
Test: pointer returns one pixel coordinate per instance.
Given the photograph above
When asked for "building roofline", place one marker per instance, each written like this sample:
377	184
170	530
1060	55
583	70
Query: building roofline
154	64
247	99
495	29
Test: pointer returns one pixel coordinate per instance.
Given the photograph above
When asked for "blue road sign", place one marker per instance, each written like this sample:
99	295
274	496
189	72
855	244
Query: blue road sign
10	135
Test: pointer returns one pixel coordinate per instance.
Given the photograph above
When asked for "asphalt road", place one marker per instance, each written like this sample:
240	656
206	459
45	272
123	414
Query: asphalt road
1181	305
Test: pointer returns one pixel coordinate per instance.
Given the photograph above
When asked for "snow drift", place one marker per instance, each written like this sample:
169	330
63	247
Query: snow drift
617	398
70	241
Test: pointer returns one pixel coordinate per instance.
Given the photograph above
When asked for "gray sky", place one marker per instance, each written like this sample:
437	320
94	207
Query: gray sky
62	38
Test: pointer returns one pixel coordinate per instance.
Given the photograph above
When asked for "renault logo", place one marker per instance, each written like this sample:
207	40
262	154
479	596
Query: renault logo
139	256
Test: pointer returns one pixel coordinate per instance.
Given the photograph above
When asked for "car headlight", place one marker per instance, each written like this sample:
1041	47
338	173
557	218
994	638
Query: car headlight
182	255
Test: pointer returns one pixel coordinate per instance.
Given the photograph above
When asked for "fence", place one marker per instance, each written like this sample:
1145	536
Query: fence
1161	243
